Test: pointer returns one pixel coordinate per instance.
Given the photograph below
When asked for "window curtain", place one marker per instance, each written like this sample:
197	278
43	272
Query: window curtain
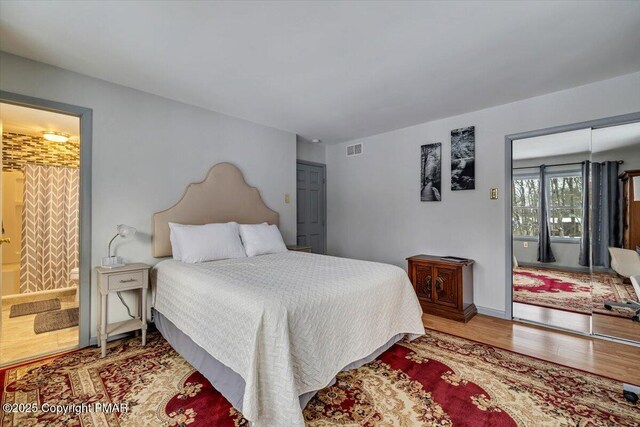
50	227
545	254
606	215
585	239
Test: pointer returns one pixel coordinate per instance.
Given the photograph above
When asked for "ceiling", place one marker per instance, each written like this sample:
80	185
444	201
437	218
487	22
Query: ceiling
332	70
30	121
578	142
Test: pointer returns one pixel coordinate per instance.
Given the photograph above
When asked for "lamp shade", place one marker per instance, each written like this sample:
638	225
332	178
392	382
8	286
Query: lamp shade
636	188
126	230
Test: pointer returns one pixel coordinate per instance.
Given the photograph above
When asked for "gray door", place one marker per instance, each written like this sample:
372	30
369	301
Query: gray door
311	196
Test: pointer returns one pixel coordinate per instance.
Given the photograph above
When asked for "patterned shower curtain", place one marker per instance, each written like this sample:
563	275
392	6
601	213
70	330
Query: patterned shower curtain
50	227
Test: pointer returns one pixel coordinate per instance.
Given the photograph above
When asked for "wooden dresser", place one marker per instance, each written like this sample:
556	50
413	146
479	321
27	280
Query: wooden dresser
630	211
444	288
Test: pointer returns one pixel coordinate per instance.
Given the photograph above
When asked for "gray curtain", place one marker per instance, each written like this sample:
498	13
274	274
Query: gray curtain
606	218
585	239
545	254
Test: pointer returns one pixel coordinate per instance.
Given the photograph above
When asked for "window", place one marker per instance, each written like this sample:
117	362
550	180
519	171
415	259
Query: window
526	205
565	205
564	194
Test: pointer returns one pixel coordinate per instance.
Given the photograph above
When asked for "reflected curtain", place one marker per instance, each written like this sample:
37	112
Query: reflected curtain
585	238
545	254
50	227
606	218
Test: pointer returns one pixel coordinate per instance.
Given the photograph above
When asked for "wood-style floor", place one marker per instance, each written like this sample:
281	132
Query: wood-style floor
559	318
610	359
18	341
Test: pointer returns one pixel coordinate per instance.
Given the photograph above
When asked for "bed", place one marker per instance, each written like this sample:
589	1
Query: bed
270	331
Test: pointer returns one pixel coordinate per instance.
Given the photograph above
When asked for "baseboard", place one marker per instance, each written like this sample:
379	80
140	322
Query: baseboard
491	312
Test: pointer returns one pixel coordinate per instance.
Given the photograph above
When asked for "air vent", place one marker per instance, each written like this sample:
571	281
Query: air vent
354	150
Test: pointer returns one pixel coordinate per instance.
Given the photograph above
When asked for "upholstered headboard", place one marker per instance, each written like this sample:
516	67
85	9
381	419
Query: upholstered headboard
223	196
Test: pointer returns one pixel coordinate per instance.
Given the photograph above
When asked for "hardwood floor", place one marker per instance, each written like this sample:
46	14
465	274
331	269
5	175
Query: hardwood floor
610	359
613	326
561	319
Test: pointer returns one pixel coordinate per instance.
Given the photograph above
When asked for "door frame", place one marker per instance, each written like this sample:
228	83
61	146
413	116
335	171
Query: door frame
86	125
508	139
324	195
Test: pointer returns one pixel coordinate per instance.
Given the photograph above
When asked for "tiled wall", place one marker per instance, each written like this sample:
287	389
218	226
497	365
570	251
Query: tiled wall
19	149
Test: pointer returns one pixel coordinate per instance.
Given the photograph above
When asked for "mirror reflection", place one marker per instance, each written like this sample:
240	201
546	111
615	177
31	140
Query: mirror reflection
575	230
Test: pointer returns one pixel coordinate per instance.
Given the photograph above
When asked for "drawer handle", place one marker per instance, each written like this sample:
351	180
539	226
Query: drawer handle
439	283
128	280
427	285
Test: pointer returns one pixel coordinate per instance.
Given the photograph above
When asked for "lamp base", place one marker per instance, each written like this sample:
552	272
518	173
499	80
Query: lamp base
112	261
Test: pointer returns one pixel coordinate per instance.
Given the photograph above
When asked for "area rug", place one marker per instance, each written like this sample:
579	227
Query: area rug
33	307
436	380
56	320
570	291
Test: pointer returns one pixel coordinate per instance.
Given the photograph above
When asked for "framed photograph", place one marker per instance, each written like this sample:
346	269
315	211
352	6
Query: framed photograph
430	176
463	157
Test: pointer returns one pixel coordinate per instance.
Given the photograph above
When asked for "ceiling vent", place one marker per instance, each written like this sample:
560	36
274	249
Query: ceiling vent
354	150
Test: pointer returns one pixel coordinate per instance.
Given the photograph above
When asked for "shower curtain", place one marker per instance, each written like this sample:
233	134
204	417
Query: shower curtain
50	227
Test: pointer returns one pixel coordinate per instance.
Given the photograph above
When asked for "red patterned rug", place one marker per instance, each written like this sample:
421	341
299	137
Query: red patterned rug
437	380
571	291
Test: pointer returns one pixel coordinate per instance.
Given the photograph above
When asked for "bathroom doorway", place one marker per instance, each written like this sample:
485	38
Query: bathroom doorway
41	203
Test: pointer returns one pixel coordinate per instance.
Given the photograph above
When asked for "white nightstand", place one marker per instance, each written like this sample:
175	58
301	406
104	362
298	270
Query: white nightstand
126	278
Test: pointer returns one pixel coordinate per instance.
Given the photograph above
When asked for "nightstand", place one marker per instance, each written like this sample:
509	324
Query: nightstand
297	248
125	278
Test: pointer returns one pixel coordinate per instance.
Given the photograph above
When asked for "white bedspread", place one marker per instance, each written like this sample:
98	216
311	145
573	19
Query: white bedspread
287	323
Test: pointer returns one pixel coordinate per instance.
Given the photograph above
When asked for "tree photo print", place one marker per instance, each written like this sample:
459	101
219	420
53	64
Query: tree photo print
463	157
430	176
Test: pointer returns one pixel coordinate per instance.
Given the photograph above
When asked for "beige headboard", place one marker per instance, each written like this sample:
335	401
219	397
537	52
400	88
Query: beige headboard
223	196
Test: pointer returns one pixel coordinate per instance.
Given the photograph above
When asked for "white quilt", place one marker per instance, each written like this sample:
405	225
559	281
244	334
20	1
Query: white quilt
287	323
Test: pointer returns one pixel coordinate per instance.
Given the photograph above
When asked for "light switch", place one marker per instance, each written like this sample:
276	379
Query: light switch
493	194
287	199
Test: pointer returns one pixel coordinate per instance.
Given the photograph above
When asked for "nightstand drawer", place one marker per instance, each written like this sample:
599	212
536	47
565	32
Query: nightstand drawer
122	281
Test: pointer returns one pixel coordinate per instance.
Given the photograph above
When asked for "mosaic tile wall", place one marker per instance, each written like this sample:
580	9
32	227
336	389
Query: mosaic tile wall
19	149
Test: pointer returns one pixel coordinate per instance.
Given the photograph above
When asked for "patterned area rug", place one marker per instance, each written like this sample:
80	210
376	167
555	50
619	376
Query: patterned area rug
437	380
571	291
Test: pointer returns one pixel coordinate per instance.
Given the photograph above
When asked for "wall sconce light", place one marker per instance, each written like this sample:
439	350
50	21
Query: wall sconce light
52	136
109	261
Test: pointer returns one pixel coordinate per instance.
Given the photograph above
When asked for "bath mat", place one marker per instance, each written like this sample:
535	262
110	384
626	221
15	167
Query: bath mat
34	307
55	320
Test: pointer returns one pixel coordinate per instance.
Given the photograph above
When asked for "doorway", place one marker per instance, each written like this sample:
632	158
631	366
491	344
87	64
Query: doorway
311	181
45	252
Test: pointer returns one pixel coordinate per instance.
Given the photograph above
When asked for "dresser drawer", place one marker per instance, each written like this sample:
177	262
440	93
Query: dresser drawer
124	281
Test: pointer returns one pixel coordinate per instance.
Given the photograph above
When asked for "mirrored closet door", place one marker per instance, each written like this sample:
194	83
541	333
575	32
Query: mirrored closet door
615	230
551	271
574	231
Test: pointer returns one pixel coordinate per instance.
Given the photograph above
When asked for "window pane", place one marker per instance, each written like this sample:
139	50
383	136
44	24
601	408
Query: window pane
565	222
565	206
565	191
525	222
526	192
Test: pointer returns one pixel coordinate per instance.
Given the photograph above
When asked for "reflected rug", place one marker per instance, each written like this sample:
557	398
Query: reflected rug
571	291
436	380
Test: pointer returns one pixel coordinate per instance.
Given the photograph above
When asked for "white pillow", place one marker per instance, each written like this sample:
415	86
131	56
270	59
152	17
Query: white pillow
209	242
261	239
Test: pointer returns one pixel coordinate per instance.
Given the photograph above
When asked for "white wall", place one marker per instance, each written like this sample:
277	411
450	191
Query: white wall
311	152
374	208
146	149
